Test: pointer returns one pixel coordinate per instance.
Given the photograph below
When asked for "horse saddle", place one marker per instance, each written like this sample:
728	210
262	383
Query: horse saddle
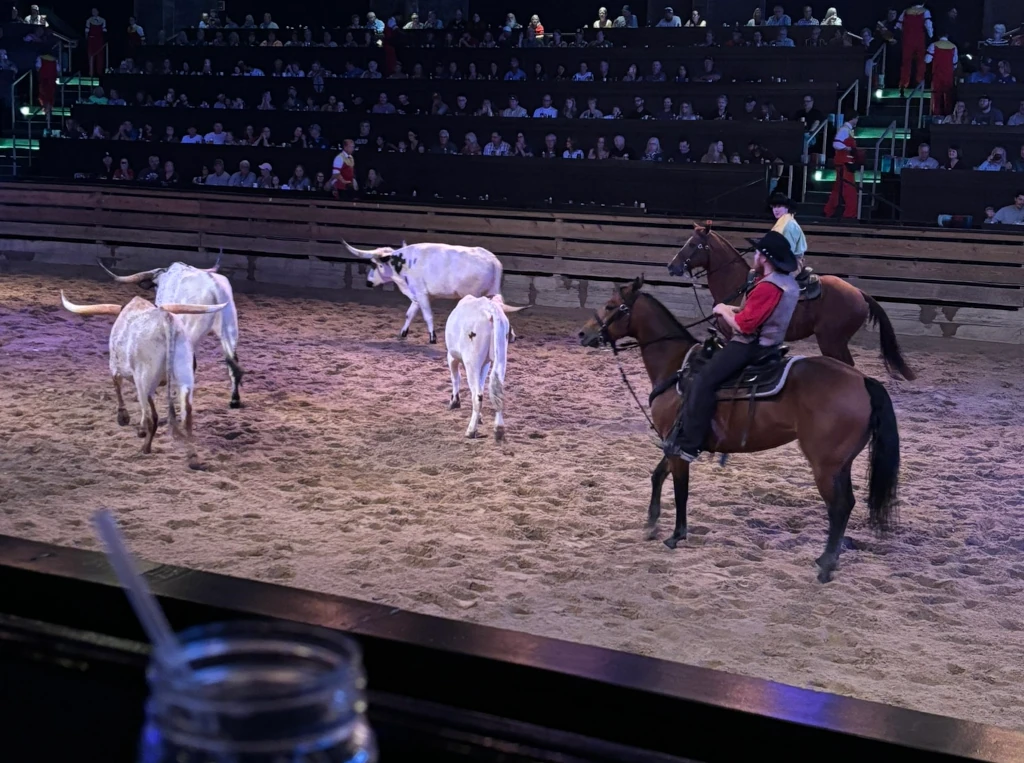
763	378
809	283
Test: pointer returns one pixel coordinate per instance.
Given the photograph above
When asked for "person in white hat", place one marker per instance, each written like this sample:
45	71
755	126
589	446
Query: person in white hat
266	180
670	19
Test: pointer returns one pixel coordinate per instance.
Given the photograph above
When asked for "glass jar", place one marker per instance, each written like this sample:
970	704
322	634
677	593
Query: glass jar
259	692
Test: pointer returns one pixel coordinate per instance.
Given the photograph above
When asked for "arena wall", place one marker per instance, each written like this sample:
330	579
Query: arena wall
932	282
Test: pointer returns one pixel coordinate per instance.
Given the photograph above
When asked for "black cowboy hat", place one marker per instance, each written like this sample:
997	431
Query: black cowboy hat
774	246
780	199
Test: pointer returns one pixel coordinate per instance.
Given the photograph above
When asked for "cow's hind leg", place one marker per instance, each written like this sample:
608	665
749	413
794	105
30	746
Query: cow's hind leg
428	316
476	389
235	372
409	315
149	422
453	367
123	419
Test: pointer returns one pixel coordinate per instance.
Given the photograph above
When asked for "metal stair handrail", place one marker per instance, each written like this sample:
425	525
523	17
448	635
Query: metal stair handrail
880	53
917	92
890	133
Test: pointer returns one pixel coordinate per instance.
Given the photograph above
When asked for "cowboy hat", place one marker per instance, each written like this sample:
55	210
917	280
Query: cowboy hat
777	251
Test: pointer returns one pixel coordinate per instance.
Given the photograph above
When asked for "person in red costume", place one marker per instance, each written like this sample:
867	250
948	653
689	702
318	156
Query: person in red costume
343	178
49	69
95	34
844	192
915	25
943	56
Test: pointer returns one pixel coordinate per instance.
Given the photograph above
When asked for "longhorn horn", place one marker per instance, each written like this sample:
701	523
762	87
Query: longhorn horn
357	252
216	265
178	309
136	278
89	309
509	309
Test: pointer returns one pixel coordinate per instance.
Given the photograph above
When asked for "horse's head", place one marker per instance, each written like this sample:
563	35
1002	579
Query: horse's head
696	252
612	322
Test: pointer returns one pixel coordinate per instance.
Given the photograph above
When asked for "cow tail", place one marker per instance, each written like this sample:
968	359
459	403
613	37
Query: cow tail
499	353
172	419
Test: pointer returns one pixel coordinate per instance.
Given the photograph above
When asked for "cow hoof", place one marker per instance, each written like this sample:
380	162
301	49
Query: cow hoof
433	339
140	433
404	334
123	419
499	433
453	404
235	404
471	434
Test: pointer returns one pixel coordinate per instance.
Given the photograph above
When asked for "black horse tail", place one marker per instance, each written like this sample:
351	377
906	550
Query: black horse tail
884	450
891	353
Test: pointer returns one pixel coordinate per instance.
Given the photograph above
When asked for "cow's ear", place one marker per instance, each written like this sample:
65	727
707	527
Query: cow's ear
146	284
384	259
398	262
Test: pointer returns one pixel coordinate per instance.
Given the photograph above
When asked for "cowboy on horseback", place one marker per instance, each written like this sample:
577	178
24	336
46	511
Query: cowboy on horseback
758	327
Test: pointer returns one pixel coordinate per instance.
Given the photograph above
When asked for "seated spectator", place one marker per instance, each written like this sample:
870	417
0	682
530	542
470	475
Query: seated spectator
192	136
600	41
169	176
815	40
721	111
271	41
631	74
984	75
98	133
715	154
616	113
535	28
757	154
960	115
298	139
831	18
151	174
759	41
268	22
382	106
126	132
682	154
695	20
710	73
604	73
438	108
808	18
560	73
751	111
770	114
315	139
686	112
243	178
603	22
782	39
399	72
471	147
756	18
545	110
485	109
462	107
591	112
584	74
453	72
682	75
169	136
627	20
496	146
778	18
600	150
737	40
514	73
298	180
444	145
619	149
653	152
667	110
954	161
1017	118
98	97
123	171
987	114
520	148
514	109
923	160
266	104
657	74
218	176
294	70
1011	214
1018	163
998	38
1005	77
996	161
571	152
550	150
372	72
569	109
639	110
669	19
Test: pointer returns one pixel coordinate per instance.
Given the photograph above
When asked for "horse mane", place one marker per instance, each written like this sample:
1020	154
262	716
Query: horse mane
672	320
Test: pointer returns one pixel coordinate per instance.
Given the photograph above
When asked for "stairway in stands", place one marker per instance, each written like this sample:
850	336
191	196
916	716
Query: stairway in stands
18	145
887	106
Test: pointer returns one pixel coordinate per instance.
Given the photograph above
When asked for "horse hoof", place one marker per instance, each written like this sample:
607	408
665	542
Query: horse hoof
671	542
824	575
123	419
651	533
499	434
453	404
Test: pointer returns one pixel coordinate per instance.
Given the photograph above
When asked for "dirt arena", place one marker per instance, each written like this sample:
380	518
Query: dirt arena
345	473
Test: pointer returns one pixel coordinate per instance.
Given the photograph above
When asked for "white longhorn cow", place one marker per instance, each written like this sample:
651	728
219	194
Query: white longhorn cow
184	284
422	271
150	346
477	334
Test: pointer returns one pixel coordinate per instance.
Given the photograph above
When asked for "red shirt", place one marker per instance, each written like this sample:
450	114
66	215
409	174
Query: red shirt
761	301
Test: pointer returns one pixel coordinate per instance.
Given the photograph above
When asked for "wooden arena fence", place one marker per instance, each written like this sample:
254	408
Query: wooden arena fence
935	282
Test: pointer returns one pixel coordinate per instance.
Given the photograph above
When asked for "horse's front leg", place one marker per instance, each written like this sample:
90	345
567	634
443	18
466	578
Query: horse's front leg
681	483
654	509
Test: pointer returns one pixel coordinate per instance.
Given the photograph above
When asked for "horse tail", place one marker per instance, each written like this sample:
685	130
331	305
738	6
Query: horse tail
892	356
884	458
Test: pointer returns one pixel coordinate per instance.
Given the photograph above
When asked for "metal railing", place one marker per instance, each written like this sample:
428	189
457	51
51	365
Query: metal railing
855	89
30	76
890	133
808	140
917	92
104	56
880	53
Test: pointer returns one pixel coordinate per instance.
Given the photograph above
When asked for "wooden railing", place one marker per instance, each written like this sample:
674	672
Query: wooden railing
944	282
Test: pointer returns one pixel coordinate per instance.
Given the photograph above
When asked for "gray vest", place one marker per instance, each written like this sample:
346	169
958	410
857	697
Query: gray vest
773	330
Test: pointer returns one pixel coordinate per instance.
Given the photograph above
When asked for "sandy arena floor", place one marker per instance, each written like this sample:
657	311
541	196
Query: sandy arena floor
345	473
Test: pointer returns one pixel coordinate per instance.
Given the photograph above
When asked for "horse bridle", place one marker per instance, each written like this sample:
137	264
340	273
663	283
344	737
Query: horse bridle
603	325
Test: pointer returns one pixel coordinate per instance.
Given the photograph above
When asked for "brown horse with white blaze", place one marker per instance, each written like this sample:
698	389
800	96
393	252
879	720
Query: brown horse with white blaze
833	318
831	409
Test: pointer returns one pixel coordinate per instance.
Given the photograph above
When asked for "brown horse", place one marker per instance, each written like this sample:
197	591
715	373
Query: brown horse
831	409
833	318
